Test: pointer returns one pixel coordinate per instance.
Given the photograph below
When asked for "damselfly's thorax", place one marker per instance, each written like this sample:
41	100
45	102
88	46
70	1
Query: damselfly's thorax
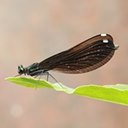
32	70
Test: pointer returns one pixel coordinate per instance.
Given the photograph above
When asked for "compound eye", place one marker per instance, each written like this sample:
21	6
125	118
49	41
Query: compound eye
20	69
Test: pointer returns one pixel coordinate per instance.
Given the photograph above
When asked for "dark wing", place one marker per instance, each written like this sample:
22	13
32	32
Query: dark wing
84	57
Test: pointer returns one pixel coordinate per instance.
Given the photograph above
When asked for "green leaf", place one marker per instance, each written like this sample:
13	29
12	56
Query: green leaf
111	93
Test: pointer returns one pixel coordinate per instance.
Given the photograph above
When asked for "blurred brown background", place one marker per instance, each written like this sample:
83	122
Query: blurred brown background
31	31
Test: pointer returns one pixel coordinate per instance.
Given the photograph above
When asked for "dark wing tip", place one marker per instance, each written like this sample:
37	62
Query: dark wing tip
106	36
110	38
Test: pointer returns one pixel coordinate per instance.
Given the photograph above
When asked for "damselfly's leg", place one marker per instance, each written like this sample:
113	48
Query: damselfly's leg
47	74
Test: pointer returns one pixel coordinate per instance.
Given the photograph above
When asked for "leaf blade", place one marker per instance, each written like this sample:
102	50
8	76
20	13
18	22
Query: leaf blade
110	93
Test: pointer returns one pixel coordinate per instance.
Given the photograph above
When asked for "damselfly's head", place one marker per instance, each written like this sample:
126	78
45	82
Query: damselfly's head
21	70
